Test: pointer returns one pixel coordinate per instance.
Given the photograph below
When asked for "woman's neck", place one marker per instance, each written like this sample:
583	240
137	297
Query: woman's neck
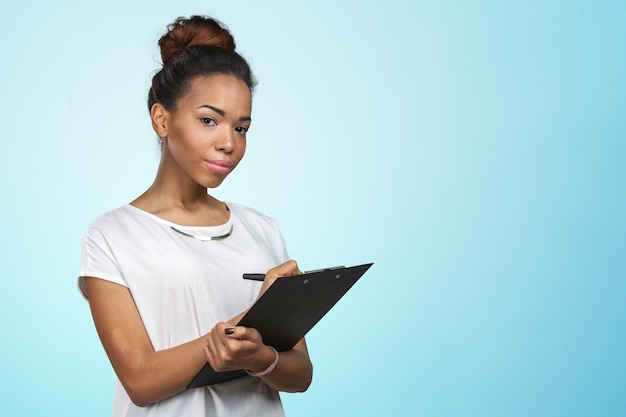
182	201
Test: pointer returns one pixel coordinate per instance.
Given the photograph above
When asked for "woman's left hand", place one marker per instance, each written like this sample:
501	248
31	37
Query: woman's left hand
230	348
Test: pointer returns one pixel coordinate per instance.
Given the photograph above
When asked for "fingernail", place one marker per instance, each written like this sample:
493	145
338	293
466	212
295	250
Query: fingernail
229	330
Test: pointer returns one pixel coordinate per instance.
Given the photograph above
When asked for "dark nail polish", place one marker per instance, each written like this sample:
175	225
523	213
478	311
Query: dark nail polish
229	330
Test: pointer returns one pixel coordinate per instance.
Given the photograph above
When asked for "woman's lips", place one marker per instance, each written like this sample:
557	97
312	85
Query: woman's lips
220	166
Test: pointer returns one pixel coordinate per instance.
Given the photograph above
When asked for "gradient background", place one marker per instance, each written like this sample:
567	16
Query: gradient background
475	151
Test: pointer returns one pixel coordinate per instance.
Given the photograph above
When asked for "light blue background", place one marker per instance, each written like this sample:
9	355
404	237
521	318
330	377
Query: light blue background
475	151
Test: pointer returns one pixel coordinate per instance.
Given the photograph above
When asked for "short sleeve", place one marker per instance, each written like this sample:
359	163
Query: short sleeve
98	259
281	248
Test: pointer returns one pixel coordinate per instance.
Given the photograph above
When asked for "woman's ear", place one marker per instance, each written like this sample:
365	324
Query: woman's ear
160	119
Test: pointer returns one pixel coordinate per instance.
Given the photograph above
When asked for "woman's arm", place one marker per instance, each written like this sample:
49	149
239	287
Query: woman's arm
147	376
294	371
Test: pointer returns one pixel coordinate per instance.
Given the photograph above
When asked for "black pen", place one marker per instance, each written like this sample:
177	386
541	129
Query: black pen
254	277
261	277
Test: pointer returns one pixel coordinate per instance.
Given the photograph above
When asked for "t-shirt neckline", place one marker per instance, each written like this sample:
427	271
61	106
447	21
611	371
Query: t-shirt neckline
217	230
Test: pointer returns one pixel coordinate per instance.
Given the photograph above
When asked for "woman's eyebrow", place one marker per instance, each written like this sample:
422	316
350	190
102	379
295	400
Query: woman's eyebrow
223	113
215	109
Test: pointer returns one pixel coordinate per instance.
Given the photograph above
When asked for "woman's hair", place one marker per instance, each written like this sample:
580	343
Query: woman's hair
195	47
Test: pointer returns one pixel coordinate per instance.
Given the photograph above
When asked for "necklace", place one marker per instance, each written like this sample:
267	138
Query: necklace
205	238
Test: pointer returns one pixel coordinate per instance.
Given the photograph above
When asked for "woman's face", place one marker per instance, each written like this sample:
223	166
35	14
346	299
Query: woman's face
206	133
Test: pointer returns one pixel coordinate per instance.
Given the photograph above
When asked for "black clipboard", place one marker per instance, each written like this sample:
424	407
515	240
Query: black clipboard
288	310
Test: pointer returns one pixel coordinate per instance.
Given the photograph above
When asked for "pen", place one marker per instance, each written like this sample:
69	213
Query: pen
254	277
261	277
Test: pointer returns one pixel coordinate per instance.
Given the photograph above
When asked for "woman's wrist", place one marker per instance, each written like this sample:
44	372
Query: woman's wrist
269	368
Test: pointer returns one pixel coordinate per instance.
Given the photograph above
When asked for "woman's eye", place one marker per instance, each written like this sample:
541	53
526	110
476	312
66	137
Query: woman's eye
241	129
207	121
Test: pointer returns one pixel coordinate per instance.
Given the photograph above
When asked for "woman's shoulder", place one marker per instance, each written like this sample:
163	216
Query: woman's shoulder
250	215
114	219
243	210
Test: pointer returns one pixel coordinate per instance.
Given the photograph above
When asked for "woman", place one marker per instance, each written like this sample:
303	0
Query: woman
163	274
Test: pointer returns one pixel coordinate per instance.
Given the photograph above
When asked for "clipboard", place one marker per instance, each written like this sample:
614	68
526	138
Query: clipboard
288	310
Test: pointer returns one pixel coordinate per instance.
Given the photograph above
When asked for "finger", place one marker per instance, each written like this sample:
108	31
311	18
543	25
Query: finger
285	269
288	268
223	331
220	344
242	334
219	350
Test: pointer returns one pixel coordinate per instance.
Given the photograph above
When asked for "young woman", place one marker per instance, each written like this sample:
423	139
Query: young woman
163	274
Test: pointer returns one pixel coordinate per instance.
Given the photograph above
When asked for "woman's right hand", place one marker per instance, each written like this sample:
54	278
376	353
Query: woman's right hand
283	270
286	269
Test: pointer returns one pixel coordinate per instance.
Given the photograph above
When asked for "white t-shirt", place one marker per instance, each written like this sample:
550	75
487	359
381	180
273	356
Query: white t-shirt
182	286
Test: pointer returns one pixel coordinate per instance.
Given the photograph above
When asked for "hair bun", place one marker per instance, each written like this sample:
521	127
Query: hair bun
196	30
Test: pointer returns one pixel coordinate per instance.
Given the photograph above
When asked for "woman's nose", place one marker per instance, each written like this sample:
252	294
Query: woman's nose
226	141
